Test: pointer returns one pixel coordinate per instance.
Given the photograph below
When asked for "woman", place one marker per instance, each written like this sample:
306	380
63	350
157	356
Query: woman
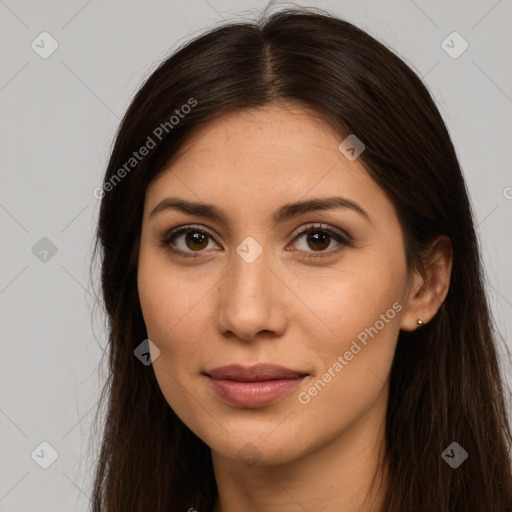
287	238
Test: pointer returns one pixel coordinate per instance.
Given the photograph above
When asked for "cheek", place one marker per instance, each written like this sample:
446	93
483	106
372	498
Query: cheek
162	299
362	309
346	303
353	363
366	329
174	307
166	312
169	310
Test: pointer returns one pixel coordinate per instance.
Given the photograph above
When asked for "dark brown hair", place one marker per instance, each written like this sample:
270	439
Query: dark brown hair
445	382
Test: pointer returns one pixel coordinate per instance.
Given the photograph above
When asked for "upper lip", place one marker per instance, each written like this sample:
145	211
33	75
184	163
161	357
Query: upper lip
256	373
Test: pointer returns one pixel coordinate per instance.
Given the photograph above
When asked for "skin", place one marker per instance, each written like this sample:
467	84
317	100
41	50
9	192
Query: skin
218	309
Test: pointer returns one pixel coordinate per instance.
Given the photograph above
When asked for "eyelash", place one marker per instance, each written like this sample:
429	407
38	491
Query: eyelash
345	241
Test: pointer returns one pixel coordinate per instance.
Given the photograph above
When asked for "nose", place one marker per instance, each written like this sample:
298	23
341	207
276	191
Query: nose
251	300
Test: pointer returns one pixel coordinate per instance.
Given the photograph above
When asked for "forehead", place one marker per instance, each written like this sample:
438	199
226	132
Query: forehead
259	159
273	142
268	131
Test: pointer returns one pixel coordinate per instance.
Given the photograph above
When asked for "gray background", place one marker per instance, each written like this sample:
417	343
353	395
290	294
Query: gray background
58	119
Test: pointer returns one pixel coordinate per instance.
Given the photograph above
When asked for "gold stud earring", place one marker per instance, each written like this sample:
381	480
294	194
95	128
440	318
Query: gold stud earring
419	322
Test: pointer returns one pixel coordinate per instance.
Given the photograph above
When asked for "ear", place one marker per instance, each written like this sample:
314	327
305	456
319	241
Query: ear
426	294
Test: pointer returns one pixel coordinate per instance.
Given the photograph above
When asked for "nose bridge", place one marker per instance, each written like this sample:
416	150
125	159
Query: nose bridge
249	303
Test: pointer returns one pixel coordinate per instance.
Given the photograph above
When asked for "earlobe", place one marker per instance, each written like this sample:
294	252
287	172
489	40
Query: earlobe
429	291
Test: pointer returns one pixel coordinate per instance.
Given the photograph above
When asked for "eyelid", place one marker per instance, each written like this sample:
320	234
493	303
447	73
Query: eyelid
179	229
343	239
321	227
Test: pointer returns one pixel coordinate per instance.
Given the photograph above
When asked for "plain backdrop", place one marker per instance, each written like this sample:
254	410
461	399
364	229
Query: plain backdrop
58	118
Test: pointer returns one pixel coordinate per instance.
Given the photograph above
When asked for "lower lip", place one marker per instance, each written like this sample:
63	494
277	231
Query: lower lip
253	394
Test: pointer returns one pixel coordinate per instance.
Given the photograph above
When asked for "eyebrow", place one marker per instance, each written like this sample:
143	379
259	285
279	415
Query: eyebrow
285	212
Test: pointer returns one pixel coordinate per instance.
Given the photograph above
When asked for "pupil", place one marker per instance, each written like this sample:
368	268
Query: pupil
321	235
196	238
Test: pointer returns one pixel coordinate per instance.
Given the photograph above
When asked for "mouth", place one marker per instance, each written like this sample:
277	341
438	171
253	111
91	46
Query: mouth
254	386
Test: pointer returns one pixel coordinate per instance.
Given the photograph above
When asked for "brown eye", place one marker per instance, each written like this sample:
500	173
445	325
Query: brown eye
318	239
195	240
186	240
190	242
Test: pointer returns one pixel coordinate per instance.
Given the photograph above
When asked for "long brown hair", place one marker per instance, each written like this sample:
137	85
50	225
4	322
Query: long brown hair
445	383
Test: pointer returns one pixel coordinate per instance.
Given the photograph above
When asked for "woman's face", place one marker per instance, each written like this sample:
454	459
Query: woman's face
245	288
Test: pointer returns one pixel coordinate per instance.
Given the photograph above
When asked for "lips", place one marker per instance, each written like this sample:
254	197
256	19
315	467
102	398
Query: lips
258	373
255	386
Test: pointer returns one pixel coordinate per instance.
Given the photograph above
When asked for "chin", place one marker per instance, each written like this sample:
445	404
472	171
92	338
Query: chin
256	448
